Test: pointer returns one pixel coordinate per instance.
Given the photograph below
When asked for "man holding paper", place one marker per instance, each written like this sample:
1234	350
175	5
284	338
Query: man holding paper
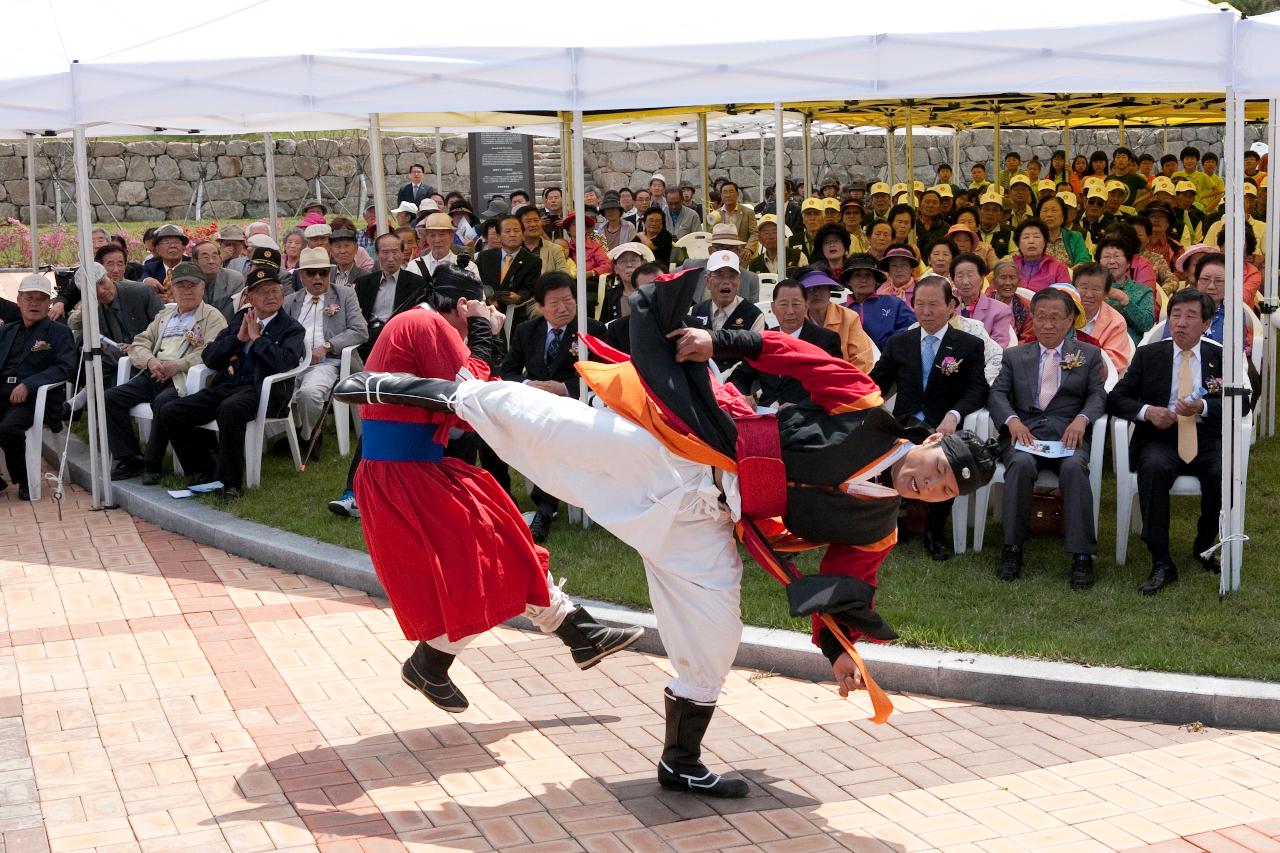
1049	390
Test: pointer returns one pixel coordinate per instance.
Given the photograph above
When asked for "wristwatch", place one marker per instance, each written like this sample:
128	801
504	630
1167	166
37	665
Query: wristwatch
328	346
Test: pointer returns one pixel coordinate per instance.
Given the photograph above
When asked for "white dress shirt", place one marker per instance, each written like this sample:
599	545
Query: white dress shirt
312	319
1196	373
384	302
937	348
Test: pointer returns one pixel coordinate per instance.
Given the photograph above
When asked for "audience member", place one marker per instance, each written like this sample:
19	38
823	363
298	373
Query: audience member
900	263
1133	300
222	286
34	351
416	190
681	220
163	353
967	274
725	308
1173	394
626	258
936	375
125	308
791	311
259	341
725	239
1104	326
743	219
1037	270
1049	390
882	316
331	316
388	290
855	345
509	270
549	253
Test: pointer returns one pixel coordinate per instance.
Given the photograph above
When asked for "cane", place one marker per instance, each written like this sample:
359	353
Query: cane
315	430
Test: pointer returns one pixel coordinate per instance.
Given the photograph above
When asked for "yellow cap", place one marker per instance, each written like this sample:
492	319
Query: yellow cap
943	190
1046	184
1164	185
831	203
1112	186
1069	198
1020	179
811	204
1185	187
879	187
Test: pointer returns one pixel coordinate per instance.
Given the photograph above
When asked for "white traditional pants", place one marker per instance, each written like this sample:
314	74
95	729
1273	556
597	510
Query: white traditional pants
312	392
545	619
666	508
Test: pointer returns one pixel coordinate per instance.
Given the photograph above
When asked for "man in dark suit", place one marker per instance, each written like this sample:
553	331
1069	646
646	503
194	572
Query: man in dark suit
34	351
1049	390
388	290
1174	434
937	373
260	340
542	355
171	243
416	190
791	311
509	270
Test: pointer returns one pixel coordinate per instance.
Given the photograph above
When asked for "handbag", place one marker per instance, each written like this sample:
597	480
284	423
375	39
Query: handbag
1047	517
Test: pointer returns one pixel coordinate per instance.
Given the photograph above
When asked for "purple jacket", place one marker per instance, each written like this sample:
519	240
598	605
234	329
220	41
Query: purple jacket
1050	271
995	316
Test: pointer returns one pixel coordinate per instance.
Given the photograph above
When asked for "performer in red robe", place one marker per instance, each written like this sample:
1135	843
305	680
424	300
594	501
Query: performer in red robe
450	547
701	467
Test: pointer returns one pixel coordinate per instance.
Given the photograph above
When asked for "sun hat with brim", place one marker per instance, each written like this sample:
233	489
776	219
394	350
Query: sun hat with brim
862	261
568	221
1162	209
170	230
186	271
231	234
437	222
817	278
609	202
315	205
725	234
1070	290
35	283
905	254
964	229
1180	263
407	207
314	259
635	248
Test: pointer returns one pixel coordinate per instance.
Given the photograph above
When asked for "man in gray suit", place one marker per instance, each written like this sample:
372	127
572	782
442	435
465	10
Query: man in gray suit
221	284
125	308
331	315
1049	390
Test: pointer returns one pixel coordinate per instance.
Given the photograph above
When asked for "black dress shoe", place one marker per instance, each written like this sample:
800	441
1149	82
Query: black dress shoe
1081	571
1010	566
24	494
127	469
936	548
540	527
228	494
151	478
1163	573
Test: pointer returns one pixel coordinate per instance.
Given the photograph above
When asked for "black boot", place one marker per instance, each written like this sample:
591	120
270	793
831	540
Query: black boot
680	769
403	389
427	671
590	642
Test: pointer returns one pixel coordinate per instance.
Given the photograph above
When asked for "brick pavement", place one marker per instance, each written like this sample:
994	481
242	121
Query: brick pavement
156	695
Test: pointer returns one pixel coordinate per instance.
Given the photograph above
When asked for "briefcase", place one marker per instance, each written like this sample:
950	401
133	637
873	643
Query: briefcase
1046	515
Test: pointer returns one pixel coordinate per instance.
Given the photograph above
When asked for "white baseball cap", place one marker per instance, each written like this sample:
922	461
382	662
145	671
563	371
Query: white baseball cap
406	207
98	270
35	283
264	241
721	260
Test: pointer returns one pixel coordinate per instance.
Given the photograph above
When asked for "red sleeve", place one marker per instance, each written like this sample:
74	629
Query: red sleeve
833	383
851	562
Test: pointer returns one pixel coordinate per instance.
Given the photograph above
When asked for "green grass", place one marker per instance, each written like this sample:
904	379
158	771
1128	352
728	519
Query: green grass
957	605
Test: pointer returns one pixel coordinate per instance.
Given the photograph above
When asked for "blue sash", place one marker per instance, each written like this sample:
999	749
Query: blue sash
400	441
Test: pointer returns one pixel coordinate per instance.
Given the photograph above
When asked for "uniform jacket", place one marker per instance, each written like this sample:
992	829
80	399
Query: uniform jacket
208	325
962	388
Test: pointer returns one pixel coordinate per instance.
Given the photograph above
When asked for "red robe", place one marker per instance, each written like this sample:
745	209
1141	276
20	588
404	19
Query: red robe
449	546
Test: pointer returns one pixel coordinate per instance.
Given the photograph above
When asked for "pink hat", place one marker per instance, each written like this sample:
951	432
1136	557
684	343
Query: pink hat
1180	262
898	252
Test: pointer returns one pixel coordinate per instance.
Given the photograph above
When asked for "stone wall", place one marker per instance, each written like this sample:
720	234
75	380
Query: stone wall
156	180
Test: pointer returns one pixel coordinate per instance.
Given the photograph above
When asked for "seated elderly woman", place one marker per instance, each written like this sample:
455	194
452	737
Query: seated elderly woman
1131	299
901	263
832	243
967	277
1063	243
941	253
1211	278
1004	285
965	236
1036	269
1104	326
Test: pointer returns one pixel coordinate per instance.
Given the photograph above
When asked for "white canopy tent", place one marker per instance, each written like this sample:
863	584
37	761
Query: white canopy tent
75	66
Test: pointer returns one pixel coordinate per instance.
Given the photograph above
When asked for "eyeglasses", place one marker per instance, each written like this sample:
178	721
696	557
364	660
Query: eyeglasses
1211	282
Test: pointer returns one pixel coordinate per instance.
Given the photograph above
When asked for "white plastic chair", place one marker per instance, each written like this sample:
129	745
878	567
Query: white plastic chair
1128	516
602	287
696	245
768	280
977	422
33	442
766	308
983	498
255	433
342	417
1026	292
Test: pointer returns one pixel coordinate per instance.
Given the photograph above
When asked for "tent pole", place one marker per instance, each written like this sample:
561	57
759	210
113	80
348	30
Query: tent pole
269	153
440	167
706	179
99	458
779	195
1231	523
379	174
564	156
911	164
676	146
889	155
1165	137
995	149
955	154
31	201
1120	129
775	189
1066	144
580	229
808	154
1271	286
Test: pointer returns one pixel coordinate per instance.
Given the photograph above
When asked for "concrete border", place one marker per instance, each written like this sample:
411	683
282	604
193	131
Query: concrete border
1041	685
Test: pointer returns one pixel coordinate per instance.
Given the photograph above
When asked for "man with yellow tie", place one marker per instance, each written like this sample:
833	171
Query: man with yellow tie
1172	392
171	246
509	270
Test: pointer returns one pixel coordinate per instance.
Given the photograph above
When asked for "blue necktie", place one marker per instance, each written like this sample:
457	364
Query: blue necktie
926	360
553	347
